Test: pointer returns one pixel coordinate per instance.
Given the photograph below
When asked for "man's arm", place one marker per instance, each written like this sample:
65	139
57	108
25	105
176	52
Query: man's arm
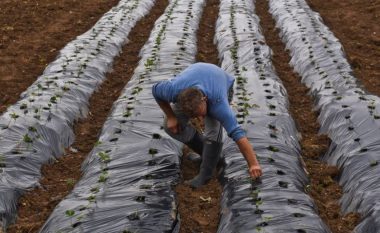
250	156
162	94
224	114
172	122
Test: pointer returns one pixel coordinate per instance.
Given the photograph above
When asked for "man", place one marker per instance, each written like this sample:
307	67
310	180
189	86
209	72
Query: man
204	91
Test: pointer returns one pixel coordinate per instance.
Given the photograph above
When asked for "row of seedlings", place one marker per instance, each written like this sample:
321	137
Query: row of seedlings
128	179
38	127
277	202
348	115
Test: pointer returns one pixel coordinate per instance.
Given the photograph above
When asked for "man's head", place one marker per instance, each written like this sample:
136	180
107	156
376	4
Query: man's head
192	102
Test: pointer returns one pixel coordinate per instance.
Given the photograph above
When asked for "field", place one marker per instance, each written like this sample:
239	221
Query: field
33	32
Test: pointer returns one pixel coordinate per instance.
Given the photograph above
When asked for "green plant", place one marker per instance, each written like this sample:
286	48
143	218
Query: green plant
104	157
2	161
134	216
14	116
153	151
273	148
91	198
98	143
27	139
103	177
374	163
70	182
94	190
69	213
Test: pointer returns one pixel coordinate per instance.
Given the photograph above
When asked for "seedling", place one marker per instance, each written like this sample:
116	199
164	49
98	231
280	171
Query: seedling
273	148
98	143
104	157
127	114
133	216
70	213
153	151
23	106
14	116
94	190
91	198
70	182
27	139
149	62
53	99
2	160
103	177
259	211
374	163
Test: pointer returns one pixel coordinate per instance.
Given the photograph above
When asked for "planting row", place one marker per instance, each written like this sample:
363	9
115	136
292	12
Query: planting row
348	115
277	202
128	179
38	127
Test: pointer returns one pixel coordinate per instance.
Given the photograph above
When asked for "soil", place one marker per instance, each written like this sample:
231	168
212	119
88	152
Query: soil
33	31
199	208
31	34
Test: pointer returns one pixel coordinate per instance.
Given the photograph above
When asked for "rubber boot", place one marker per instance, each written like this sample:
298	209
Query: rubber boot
210	157
196	144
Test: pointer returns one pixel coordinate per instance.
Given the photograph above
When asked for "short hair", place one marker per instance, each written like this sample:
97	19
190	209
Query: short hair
189	100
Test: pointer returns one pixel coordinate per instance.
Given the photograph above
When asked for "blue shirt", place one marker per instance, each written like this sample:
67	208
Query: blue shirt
214	83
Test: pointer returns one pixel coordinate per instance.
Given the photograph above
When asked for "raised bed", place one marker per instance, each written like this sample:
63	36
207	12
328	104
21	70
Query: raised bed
277	202
348	115
128	179
38	127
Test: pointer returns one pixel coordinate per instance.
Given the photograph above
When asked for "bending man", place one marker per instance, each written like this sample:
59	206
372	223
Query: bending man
204	91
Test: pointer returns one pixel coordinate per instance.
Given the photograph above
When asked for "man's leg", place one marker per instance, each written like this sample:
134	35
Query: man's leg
188	134
212	149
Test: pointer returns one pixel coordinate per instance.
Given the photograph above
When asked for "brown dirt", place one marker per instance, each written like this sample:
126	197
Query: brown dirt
196	214
33	31
31	34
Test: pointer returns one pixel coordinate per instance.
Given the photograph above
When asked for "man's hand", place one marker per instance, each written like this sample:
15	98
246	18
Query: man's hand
246	149
172	124
171	119
255	171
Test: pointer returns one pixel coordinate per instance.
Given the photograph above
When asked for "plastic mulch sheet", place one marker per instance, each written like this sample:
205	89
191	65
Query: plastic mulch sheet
278	201
128	179
348	115
38	127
